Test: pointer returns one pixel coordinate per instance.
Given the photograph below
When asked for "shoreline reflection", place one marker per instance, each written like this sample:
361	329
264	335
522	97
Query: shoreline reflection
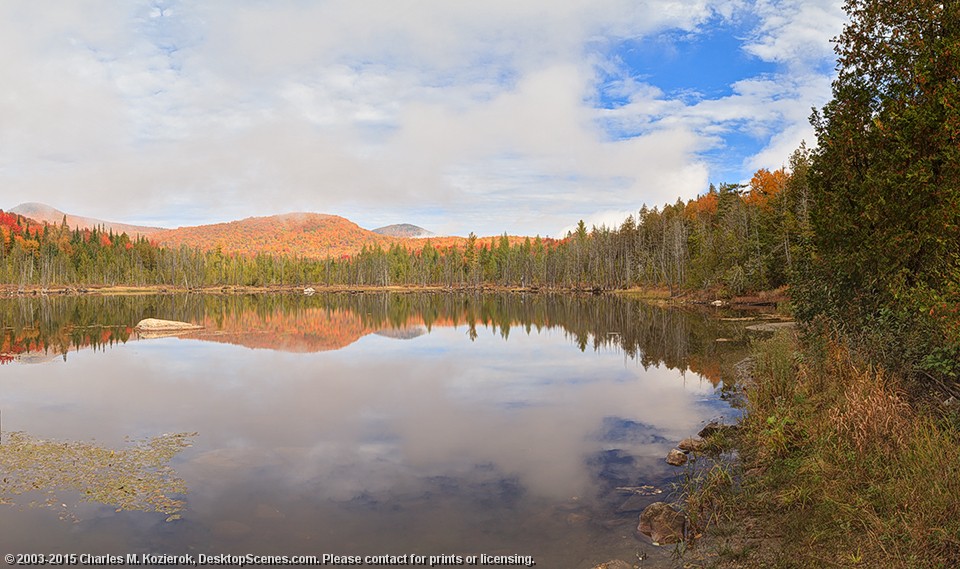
38	329
377	423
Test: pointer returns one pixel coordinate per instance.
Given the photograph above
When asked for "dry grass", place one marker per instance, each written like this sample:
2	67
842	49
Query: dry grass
852	475
871	415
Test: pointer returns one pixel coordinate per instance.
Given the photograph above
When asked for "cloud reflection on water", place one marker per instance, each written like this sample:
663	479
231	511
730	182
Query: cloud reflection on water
438	422
437	406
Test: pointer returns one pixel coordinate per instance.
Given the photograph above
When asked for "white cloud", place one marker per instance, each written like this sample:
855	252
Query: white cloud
471	116
796	32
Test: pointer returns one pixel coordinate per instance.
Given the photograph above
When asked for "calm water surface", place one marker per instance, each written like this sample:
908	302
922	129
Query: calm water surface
348	424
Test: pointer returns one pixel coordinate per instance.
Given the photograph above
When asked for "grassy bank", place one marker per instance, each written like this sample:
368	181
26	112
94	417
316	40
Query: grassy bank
838	468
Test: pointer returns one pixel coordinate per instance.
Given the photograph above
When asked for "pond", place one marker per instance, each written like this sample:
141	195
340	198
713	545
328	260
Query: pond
350	424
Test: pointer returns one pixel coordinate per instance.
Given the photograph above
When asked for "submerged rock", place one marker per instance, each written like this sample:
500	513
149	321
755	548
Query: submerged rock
574	519
635	503
662	524
645	490
676	457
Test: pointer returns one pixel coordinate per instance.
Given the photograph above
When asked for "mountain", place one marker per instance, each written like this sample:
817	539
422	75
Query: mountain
309	235
403	230
305	234
46	214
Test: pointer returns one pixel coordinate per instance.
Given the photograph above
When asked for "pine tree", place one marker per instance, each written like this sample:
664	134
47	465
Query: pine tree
885	180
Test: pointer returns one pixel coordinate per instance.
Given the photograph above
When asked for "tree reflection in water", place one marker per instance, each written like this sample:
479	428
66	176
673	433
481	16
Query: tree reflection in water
684	339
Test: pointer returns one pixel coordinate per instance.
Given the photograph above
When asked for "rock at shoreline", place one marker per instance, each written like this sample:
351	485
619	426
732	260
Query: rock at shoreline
714	427
691	444
676	457
662	524
157	325
710	429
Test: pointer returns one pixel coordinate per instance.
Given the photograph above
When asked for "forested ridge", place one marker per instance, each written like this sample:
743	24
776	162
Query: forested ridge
732	239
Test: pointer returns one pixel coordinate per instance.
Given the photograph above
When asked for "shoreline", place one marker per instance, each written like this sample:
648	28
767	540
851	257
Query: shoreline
658	296
821	422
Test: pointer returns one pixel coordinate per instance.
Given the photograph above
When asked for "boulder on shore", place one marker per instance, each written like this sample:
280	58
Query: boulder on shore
157	325
662	523
691	444
676	457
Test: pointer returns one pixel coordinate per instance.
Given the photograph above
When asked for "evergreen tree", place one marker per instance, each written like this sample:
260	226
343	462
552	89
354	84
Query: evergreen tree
885	180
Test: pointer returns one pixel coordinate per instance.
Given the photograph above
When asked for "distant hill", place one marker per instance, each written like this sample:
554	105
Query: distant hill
47	214
311	235
403	230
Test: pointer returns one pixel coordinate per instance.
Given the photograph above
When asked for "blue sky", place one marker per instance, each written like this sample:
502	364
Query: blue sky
489	116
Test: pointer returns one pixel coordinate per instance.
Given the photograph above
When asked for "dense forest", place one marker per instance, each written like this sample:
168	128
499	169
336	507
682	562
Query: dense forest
883	267
732	239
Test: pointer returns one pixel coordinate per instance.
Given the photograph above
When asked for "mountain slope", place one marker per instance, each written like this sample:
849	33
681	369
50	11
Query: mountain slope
309	235
47	214
312	235
403	230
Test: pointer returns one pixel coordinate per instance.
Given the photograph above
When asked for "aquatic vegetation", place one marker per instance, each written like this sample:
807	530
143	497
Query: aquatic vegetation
134	478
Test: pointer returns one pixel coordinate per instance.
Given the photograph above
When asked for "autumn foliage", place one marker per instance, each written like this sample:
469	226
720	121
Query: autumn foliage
308	235
765	185
728	240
